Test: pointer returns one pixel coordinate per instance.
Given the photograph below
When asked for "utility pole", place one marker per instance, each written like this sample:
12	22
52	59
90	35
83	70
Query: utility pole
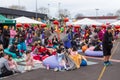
96	13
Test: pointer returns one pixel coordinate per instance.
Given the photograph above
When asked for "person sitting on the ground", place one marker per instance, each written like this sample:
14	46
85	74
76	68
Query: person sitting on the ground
15	50
54	51
60	42
46	40
98	47
55	41
35	38
77	41
50	44
13	65
44	51
22	44
29	61
94	38
35	51
29	36
75	56
40	52
4	66
61	61
36	48
16	39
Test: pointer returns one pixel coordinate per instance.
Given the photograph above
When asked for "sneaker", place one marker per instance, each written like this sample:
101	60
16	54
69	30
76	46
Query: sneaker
106	63
109	63
66	69
56	69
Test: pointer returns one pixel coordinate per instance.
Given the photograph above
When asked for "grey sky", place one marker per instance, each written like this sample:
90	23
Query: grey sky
87	7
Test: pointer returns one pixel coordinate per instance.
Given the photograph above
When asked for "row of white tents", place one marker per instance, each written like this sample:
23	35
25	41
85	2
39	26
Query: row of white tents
87	21
116	23
84	21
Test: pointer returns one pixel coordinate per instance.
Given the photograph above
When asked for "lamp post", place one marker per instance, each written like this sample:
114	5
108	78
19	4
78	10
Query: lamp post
59	10
96	13
48	10
19	3
36	10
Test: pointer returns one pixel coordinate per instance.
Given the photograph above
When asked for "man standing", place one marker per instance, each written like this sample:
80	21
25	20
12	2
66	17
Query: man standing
107	46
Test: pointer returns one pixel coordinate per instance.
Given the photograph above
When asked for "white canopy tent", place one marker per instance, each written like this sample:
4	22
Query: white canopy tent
116	23
86	21
26	20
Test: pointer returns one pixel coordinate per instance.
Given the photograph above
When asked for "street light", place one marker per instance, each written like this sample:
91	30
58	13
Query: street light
59	10
96	13
19	3
48	10
36	9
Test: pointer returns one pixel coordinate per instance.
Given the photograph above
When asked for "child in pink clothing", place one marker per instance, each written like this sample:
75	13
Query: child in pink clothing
29	61
13	65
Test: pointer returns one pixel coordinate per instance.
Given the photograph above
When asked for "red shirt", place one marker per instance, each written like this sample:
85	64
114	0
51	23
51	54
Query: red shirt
33	47
43	50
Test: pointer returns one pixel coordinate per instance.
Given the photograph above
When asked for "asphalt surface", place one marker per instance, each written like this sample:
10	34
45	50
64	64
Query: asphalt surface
91	72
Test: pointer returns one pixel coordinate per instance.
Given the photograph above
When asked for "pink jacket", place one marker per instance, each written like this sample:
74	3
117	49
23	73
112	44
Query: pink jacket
12	33
101	34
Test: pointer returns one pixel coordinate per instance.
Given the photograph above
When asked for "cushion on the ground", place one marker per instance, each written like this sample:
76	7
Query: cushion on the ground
52	62
94	53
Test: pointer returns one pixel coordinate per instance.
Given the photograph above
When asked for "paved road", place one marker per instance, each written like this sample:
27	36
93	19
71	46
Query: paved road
84	73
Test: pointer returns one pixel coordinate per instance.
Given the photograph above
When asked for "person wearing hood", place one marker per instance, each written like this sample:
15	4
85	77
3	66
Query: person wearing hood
107	45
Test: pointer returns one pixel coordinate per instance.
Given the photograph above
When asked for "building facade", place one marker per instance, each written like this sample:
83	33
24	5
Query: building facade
12	13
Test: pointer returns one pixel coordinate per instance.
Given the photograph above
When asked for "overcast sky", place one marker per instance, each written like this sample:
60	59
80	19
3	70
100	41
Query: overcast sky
86	7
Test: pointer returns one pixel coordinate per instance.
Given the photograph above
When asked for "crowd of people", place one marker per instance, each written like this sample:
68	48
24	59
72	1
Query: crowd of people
17	41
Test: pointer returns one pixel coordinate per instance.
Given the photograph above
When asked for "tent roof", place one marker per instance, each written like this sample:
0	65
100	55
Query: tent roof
4	20
116	23
86	21
26	20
